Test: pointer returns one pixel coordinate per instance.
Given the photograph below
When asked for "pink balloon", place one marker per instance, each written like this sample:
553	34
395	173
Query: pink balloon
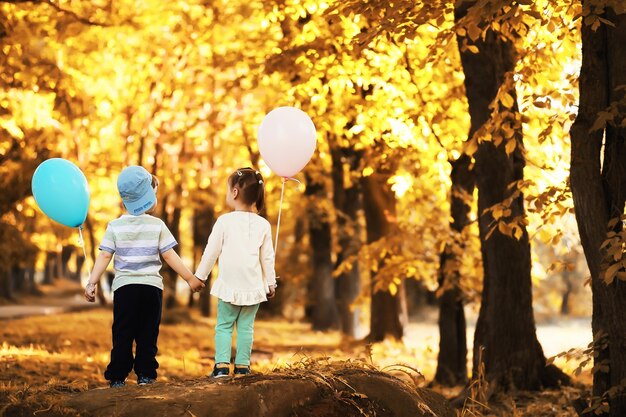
286	140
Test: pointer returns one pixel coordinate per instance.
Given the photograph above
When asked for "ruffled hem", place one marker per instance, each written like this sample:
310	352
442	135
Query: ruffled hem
238	297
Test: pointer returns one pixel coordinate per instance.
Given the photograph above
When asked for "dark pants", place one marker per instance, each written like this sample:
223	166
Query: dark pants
136	317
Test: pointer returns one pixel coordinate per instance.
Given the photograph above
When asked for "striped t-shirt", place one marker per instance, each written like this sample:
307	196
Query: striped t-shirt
137	242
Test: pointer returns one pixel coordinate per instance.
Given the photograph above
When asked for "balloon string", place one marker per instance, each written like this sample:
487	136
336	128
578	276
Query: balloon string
82	245
280	208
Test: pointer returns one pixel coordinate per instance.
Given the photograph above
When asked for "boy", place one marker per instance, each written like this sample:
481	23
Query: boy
136	239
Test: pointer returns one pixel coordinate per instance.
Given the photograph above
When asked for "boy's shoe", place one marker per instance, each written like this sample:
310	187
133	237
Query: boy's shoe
220	371
117	384
242	370
144	380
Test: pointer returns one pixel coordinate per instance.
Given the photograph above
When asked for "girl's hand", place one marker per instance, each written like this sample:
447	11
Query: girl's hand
272	292
90	292
195	284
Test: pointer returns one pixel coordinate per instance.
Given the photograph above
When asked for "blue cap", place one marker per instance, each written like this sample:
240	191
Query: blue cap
135	187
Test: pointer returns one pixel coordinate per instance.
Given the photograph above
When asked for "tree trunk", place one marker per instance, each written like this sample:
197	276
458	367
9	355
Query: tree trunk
388	312
171	275
505	329
30	285
347	201
322	287
203	219
289	298
452	357
50	267
66	254
565	299
80	261
598	186
6	283
19	278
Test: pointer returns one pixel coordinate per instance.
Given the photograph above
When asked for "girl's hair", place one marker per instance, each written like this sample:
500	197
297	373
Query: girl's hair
249	182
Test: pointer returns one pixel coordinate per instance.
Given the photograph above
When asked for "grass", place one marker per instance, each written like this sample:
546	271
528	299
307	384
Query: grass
45	356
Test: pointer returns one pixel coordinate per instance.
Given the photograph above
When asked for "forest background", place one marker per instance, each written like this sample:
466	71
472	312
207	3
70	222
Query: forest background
443	140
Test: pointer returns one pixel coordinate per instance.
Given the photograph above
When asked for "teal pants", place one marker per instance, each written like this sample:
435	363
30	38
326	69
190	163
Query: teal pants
229	315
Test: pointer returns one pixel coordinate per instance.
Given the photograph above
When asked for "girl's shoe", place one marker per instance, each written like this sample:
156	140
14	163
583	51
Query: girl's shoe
242	370
117	384
220	370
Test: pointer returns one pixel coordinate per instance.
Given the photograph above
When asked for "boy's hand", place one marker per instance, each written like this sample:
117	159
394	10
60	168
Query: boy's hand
272	292
90	292
196	284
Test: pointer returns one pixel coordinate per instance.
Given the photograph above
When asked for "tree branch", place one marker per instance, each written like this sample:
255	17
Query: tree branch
409	68
51	3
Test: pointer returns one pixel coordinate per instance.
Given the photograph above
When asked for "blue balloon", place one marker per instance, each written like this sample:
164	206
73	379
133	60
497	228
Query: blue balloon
61	191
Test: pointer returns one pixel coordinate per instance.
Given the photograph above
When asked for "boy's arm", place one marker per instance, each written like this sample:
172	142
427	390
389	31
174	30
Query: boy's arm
211	252
173	260
99	267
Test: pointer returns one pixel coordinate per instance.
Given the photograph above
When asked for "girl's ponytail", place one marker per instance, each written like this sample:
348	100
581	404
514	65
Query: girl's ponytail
260	198
251	186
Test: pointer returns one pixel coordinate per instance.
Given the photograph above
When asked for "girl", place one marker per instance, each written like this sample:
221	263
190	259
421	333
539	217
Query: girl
243	242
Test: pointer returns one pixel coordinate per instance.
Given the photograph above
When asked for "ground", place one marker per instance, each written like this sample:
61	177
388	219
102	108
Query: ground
44	359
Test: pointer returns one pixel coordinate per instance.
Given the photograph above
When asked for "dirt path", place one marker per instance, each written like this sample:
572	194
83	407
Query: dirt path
48	306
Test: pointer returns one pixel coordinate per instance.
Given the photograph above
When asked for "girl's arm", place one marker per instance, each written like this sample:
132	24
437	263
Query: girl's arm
267	261
99	267
173	260
211	252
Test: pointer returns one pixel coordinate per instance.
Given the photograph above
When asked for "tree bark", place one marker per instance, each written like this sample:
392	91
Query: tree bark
80	261
49	267
29	278
19	278
505	329
347	201
388	312
452	357
597	179
66	254
172	277
569	287
6	283
322	287
203	219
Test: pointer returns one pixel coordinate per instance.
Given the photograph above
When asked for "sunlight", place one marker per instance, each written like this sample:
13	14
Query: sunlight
401	184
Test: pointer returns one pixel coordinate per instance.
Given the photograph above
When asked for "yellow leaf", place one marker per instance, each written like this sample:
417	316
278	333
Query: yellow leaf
611	271
471	146
510	146
507	100
393	289
474	32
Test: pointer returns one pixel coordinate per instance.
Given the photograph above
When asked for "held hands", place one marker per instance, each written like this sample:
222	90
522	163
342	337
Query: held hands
90	292
195	284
